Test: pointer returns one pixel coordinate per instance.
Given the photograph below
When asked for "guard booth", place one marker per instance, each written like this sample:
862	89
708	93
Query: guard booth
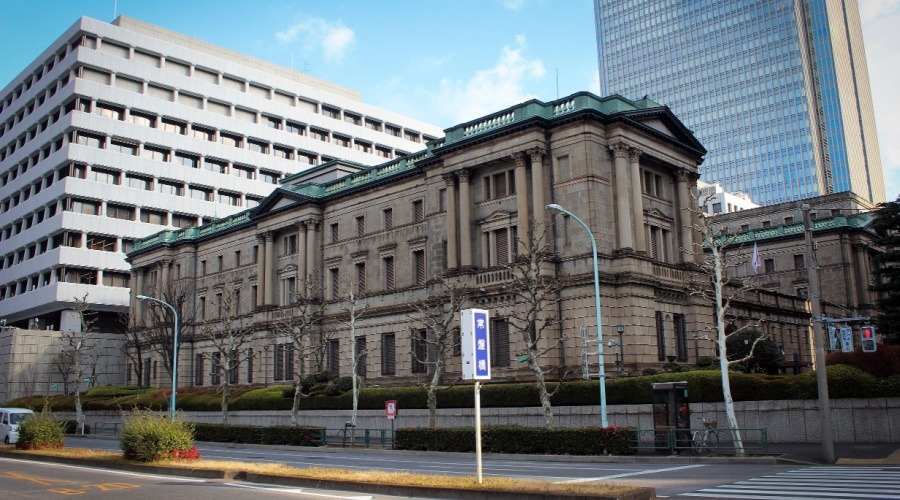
671	417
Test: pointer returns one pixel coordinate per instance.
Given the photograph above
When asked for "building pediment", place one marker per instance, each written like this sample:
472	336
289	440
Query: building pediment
497	216
279	201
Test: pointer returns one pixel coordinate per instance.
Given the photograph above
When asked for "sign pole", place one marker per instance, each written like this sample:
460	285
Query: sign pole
478	428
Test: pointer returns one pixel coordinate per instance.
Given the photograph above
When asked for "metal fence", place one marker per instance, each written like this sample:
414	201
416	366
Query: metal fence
704	441
364	438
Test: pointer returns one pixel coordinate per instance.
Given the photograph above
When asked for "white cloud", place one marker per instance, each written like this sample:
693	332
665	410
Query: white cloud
880	20
333	39
491	89
513	4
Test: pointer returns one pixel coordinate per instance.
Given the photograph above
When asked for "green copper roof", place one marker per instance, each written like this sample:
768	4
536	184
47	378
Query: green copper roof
768	233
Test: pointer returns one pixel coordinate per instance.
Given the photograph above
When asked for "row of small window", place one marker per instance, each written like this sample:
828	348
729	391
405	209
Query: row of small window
387	223
788	220
337	288
31	80
282	365
187	69
79	275
799	264
204	132
73	239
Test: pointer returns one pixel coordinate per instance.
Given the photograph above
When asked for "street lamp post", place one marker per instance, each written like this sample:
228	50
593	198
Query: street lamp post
174	352
602	371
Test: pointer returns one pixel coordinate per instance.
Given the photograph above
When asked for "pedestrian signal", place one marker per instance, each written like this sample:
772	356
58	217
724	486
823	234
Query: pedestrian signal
867	339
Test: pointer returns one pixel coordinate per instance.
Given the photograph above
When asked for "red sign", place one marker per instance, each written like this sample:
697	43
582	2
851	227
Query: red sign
390	409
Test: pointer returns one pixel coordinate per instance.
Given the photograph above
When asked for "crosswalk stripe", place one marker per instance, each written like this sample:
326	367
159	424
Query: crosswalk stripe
845	483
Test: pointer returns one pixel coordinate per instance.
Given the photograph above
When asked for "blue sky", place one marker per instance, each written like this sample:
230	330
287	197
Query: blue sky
441	62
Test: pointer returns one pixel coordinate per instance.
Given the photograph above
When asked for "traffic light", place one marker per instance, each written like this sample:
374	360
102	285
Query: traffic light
867	339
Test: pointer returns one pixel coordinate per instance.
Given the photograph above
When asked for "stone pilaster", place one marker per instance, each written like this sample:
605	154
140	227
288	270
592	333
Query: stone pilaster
624	222
261	270
537	196
465	216
452	223
684	215
524	222
268	269
637	200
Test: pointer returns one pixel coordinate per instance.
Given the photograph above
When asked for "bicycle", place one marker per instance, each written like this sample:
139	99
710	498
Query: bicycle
706	440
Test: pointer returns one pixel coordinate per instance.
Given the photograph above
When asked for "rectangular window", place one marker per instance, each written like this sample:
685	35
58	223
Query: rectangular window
418	209
154	217
419	267
799	261
361	278
660	336
389	274
126	148
334	232
102	243
361	356
289	245
199	193
105	176
156	153
142	119
250	365
173	126
335	275
388	218
769	265
199	366
681	348
187	160
499	343
360	225
119	212
334	356
170	187
388	354
258	146
419	351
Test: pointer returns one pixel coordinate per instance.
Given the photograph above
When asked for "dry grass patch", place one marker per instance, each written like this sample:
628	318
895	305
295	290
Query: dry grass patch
355	476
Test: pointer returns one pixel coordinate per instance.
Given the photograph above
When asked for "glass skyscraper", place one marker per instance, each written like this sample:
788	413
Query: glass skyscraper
776	90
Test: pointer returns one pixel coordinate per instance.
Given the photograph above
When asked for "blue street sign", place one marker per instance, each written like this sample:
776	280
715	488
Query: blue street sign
846	339
482	346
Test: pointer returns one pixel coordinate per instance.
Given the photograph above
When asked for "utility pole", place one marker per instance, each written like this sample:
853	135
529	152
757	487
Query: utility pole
818	339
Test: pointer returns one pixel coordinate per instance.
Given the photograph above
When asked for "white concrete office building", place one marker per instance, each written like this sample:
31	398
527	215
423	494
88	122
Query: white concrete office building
119	130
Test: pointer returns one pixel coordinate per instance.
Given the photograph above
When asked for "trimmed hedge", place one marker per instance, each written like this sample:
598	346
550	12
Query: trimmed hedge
249	434
704	386
146	437
884	362
518	439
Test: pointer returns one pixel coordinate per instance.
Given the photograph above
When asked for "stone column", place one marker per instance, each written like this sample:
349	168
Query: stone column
624	222
637	200
862	274
685	221
524	222
465	218
260	270
138	290
452	223
269	268
164	276
301	257
538	205
311	250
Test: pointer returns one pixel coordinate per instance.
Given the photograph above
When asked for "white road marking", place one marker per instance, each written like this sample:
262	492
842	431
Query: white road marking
121	473
296	490
627	474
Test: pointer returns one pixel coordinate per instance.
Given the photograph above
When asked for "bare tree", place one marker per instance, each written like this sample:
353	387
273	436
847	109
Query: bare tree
64	365
536	297
438	313
159	332
353	308
135	346
300	322
230	334
76	350
721	290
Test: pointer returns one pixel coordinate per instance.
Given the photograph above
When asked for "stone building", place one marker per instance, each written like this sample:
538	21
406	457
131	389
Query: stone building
463	207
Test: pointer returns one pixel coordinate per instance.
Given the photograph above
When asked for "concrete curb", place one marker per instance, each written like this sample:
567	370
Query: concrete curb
375	488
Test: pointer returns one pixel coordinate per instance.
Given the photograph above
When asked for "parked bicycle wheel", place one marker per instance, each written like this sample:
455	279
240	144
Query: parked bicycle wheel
711	442
697	441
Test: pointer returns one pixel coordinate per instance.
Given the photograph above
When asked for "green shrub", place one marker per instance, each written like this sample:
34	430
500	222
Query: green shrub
649	371
146	436
40	430
518	439
266	398
276	434
707	362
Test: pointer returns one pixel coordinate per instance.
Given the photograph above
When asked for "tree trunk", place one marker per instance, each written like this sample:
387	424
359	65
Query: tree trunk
79	415
542	390
723	356
225	401
295	408
432	394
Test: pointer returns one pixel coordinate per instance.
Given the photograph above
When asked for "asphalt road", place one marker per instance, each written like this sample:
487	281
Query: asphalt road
21	479
672	479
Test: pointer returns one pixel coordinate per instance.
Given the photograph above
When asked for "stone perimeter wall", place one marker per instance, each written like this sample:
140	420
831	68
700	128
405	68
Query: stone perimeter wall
875	420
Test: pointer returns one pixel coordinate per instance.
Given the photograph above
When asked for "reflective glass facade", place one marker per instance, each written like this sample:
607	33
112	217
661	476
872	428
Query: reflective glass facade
776	90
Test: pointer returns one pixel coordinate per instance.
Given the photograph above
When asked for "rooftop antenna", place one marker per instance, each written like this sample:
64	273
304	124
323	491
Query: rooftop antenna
115	8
